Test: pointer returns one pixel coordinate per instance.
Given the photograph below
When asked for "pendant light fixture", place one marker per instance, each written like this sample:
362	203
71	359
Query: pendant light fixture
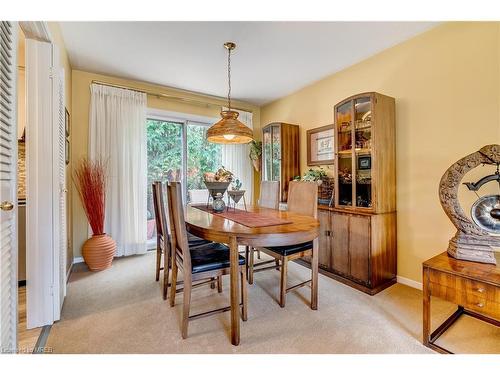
229	129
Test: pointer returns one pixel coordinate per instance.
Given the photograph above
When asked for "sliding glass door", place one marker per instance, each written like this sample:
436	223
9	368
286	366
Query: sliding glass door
165	160
179	151
202	156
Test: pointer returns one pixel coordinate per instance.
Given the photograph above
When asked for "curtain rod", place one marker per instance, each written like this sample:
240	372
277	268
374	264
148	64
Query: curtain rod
166	96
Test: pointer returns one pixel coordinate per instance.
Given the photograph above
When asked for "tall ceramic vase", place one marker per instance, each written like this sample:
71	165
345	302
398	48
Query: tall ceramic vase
98	252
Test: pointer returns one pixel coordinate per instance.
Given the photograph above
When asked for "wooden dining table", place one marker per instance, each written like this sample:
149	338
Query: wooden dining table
213	227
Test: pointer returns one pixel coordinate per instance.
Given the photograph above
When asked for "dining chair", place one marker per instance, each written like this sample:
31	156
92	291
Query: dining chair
269	198
302	200
197	263
269	194
163	243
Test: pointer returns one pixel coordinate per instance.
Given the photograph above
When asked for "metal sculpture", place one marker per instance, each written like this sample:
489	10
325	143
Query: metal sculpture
471	241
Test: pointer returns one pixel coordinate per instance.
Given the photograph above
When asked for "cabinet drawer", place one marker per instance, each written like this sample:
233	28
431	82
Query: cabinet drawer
473	295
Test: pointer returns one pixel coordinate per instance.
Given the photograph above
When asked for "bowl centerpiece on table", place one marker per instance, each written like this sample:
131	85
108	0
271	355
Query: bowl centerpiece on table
217	183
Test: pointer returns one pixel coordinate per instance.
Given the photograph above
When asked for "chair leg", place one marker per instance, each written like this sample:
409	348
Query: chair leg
250	265
186	305
219	284
247	255
173	284
244	296
314	276
277	264
166	271
158	261
284	269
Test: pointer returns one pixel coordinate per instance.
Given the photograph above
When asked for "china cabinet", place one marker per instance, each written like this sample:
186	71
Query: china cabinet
280	154
365	153
358	234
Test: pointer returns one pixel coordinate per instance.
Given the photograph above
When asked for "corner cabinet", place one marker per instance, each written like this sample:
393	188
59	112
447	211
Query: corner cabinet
280	154
357	243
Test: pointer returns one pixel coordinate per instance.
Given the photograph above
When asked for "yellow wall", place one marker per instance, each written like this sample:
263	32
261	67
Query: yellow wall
447	88
81	101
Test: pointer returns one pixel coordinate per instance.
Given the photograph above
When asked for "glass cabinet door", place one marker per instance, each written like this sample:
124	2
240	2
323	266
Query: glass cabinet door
271	149
363	151
344	150
267	154
276	153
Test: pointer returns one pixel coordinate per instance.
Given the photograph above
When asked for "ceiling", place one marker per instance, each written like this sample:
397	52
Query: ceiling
272	59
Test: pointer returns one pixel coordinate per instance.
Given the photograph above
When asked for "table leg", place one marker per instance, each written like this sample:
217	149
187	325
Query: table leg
314	278
234	287
426	308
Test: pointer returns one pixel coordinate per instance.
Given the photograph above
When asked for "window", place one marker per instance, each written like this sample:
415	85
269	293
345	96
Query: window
202	156
178	151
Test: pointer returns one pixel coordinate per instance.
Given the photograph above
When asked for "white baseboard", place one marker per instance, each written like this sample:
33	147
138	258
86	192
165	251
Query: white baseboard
77	260
409	282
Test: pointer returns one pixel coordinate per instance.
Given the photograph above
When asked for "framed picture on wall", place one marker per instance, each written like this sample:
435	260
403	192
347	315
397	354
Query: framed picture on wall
66	121
320	146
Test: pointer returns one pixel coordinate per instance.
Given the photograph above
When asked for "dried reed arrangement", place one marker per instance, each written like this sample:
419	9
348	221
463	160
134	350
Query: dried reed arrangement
89	178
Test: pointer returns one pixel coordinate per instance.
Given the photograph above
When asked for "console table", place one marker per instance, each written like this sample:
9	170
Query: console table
474	287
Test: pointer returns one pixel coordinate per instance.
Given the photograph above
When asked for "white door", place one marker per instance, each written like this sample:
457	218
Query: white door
45	174
59	179
8	186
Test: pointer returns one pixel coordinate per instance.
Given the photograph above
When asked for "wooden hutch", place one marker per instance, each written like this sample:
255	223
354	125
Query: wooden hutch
280	154
357	243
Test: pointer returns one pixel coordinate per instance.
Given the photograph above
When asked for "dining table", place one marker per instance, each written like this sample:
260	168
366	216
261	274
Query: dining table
293	229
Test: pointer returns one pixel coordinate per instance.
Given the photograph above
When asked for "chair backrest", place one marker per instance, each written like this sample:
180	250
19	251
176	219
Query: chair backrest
178	225
269	194
303	198
159	209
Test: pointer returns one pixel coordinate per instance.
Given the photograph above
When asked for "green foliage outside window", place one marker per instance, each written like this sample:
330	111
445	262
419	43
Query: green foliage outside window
164	149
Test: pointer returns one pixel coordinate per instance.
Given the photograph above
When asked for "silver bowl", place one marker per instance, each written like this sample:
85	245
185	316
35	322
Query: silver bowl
216	187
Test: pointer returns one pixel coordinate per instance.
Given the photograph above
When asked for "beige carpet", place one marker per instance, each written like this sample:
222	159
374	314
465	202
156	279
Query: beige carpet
120	310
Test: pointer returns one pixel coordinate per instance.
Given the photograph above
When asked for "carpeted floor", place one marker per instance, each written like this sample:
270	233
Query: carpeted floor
120	310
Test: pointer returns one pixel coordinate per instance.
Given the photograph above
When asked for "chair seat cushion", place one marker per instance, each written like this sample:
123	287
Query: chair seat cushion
291	249
211	256
196	241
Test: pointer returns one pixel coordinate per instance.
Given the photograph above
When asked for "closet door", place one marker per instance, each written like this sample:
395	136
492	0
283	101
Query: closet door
45	206
59	178
8	186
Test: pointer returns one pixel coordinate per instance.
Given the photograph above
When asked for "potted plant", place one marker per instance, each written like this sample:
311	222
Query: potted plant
256	154
90	181
313	175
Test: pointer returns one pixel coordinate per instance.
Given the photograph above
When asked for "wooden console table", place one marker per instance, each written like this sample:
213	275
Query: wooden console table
474	287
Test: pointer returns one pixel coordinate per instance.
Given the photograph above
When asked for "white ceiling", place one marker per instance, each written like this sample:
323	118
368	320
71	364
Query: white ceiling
272	59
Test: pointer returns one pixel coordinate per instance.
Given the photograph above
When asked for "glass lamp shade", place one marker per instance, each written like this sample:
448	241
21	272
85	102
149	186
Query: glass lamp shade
229	130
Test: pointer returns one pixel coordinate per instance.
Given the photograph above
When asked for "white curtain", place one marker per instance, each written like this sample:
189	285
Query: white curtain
117	134
235	158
